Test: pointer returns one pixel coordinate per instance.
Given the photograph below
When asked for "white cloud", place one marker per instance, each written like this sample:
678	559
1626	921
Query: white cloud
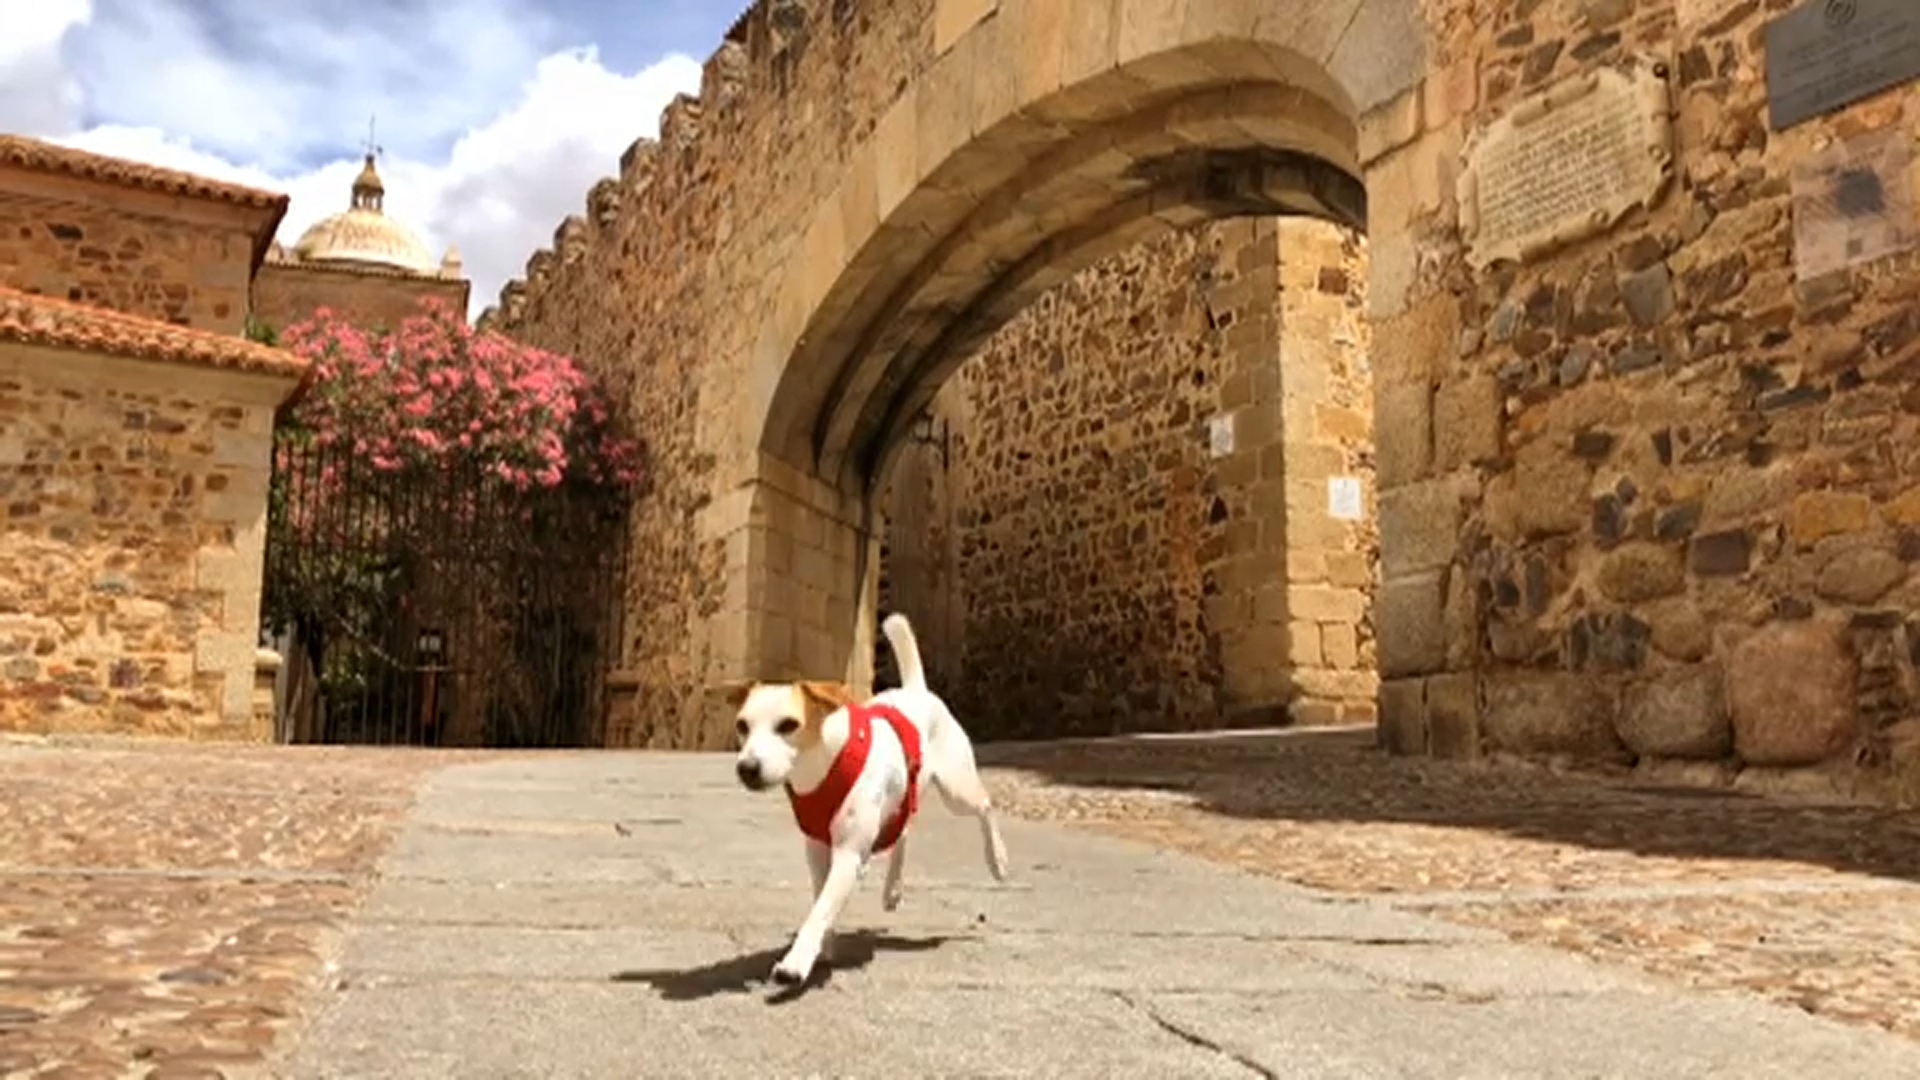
490	144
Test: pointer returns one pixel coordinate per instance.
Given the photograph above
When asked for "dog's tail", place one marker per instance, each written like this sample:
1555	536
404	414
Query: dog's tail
906	651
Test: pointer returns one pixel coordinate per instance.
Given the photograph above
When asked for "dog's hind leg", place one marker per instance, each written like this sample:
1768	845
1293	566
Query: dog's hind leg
892	893
958	780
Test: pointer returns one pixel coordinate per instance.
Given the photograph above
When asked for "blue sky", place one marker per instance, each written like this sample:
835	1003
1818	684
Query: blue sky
494	116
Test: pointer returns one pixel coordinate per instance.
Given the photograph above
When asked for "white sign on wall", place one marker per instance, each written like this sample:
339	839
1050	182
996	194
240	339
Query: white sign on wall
1343	498
1220	434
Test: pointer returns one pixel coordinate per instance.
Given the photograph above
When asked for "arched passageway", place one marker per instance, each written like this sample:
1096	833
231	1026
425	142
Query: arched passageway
1110	125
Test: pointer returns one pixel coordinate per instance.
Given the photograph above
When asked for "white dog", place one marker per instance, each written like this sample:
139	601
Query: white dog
854	774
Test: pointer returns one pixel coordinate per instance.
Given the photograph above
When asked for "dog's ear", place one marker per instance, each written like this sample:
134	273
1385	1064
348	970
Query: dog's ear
827	696
734	693
822	698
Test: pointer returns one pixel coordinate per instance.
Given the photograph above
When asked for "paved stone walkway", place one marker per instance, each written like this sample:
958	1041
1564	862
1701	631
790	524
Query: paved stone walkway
615	915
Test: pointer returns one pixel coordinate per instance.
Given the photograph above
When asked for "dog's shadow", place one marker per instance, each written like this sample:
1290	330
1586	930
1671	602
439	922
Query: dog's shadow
853	950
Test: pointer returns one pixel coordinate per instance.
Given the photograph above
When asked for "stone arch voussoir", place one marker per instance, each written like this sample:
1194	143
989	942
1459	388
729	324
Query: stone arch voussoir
1103	124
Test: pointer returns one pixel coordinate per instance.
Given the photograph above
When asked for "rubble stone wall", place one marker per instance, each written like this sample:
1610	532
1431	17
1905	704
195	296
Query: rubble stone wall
1649	496
129	251
133	499
1062	530
284	294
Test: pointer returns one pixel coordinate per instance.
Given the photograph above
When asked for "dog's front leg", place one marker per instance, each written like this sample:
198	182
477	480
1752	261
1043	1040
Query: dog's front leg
843	872
819	861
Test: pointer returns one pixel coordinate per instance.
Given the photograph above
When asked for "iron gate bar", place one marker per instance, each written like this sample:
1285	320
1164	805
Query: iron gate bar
524	589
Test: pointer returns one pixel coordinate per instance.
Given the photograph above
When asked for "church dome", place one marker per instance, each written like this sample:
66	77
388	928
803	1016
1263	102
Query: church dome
364	235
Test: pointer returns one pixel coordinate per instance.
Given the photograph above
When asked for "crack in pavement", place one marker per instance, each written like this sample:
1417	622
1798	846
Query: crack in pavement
1192	1038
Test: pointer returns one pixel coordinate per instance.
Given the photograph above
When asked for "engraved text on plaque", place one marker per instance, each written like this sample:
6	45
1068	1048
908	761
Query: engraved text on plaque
1827	54
1567	164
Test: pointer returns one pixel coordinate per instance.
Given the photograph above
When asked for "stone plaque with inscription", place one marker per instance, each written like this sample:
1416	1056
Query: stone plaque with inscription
1827	54
1853	203
1567	163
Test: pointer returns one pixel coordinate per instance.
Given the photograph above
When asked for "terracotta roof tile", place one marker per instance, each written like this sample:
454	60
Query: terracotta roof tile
38	320
22	152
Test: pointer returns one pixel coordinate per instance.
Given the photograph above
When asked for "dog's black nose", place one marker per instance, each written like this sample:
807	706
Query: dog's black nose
748	772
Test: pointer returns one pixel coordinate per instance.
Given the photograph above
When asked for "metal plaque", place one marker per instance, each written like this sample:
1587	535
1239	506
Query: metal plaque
1827	54
1567	163
1853	203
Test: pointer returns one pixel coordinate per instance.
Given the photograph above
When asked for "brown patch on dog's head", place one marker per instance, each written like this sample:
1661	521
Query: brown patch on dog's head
735	693
819	700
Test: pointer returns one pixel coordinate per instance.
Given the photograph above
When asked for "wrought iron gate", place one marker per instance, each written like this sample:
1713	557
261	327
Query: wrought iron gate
439	608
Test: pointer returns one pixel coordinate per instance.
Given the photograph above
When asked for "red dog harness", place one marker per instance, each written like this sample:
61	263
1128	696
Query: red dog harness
815	811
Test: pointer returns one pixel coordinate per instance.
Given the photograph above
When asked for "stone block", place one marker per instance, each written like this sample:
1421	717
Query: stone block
1336	685
1410	626
1303	644
1860	576
1419	527
1403	717
953	18
1468	417
1550	491
1349	569
1637	572
1816	515
1340	645
1538	713
1790	694
1310	567
1417	345
1403	439
1677	713
1453	716
1324	603
1679	631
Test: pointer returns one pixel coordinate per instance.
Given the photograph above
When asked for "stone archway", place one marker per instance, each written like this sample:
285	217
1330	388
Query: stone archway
1108	123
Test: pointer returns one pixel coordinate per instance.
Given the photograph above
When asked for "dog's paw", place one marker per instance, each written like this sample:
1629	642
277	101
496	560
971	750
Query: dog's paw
794	968
891	897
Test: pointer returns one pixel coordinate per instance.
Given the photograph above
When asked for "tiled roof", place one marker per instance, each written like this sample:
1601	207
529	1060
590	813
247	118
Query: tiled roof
22	152
39	320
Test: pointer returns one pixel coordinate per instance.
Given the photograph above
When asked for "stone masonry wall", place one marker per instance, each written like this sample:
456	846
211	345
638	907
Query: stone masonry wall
132	505
1065	565
90	244
669	265
1663	501
1327	426
284	294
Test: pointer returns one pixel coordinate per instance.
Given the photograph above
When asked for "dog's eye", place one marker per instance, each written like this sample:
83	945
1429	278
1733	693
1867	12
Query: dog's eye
740	728
787	727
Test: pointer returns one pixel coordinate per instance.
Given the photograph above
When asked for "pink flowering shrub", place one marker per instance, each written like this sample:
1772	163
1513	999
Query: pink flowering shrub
435	394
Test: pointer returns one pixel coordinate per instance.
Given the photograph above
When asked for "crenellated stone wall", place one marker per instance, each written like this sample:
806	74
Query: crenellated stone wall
666	269
1631	476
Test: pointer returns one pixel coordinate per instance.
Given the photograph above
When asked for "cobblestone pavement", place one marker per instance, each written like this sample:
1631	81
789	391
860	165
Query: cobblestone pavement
1816	906
163	905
